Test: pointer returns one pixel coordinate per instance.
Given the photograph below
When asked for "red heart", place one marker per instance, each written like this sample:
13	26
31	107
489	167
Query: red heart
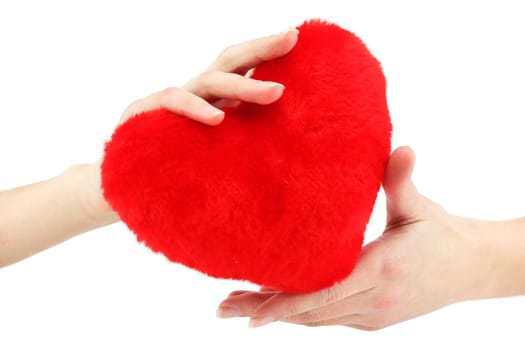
279	195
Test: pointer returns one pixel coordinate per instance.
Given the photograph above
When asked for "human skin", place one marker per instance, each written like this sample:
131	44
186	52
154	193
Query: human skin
426	258
41	215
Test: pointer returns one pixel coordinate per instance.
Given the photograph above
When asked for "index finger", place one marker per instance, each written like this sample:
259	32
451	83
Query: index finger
283	305
242	57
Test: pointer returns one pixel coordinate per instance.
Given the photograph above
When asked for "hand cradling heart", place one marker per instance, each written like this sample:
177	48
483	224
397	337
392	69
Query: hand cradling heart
279	195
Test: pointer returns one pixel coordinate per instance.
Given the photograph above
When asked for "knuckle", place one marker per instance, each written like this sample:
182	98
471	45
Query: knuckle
200	78
226	55
291	309
132	109
330	295
204	83
391	268
169	93
307	317
205	80
133	105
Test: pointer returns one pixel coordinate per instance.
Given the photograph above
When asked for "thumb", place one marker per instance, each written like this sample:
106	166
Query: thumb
401	194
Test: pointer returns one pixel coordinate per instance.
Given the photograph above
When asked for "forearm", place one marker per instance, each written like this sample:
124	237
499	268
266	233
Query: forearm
509	248
501	256
38	216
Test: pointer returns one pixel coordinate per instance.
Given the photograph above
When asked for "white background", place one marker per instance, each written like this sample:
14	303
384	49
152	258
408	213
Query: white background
68	69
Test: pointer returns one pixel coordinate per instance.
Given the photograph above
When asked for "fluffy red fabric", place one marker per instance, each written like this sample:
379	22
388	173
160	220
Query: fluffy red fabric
279	195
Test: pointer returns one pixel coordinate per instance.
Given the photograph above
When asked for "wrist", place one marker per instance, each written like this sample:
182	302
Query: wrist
90	194
508	240
499	248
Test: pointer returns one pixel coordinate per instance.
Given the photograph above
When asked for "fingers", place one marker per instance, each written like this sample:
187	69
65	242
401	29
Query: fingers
351	296
343	320
220	82
398	172
178	101
269	305
216	84
311	309
283	306
333	313
238	292
356	321
241	57
242	303
225	77
397	183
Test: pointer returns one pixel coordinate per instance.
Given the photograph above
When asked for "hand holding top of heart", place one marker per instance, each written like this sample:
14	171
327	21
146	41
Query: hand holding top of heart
280	194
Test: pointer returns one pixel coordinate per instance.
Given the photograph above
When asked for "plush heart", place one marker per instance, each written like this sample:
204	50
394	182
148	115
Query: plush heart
279	195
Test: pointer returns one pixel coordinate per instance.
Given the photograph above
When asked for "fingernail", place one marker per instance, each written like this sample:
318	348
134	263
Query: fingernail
270	84
211	111
288	30
211	115
228	312
260	321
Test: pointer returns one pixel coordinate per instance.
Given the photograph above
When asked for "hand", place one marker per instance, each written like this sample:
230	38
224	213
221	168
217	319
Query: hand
425	259
225	82
74	202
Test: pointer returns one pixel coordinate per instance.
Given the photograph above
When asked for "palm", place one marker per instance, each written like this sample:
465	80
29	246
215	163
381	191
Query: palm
410	270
